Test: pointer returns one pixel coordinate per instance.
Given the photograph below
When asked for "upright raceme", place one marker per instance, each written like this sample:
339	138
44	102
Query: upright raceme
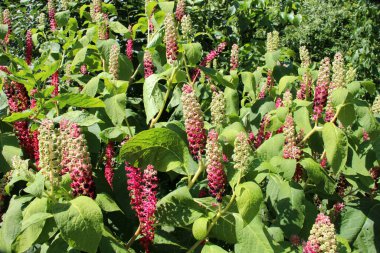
7	21
321	90
376	105
187	26
28	47
305	89
55	83
273	41
287	98
218	108
148	64
215	173
114	61
51	10
142	189
109	163
129	46
196	134
241	152
336	82
234	61
291	151
170	39
267	86
102	21
350	75
180	10
322	237
42	19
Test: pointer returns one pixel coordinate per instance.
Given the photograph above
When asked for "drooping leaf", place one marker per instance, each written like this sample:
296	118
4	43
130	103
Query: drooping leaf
335	142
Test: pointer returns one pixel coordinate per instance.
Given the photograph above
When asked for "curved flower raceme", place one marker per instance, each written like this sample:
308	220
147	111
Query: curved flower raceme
55	83
321	90
79	163
109	163
148	64
49	151
196	134
322	237
305	57
215	173
262	134
114	61
267	86
129	45
51	10
350	75
7	21
180	10
241	152
142	189
305	89
28	47
97	5
234	61
218	108
287	98
170	39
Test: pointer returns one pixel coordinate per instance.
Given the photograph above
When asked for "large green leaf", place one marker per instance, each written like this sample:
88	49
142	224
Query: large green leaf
79	57
318	175
336	146
82	118
31	233
200	226
78	100
271	147
178	208
62	17
117	27
248	198
217	77
9	148
3	31
211	248
153	96
80	222
161	147
193	52
368	239
285	82
115	108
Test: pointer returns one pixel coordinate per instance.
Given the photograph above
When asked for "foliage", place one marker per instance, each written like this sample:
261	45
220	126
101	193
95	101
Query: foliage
116	134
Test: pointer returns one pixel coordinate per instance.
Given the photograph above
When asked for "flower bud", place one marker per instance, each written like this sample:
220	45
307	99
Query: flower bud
273	41
234	61
28	47
321	90
170	39
187	26
376	105
241	152
180	10
51	10
218	108
114	61
148	64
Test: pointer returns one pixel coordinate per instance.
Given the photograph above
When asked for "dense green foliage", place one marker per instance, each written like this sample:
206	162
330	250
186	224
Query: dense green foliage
247	140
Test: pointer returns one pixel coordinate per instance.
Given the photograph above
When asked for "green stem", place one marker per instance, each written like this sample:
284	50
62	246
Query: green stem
197	174
131	241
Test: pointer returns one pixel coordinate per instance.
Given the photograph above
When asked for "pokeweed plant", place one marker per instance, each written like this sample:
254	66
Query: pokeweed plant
106	142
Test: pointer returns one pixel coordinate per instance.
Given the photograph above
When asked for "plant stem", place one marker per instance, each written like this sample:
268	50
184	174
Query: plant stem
131	241
315	129
197	174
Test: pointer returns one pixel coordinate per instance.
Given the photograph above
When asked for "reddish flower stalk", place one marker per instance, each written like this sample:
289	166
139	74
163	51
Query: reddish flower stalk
129	46
7	21
35	145
321	91
215	173
29	47
109	163
180	10
170	39
33	101
262	134
209	58
148	64
305	89
143	190
196	134
51	10
267	86
25	139
55	83
234	61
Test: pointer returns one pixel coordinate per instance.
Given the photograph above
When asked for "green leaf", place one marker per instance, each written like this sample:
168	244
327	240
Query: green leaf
217	77
178	208
336	146
231	131
159	146
302	119
249	82
271	59
9	148
111	244
254	238
283	167
285	82
166	6
11	225
31	232
34	219
248	199
114	133
193	52
80	57
200	228
3	31
82	118
318	175
62	18
106	203
78	100
80	222
153	97
347	114
211	248
115	108
91	88
18	116
37	187
231	96
117	27
271	147
339	96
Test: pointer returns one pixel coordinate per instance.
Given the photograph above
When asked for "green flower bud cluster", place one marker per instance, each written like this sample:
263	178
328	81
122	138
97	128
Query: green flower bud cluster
376	105
350	75
218	108
114	61
187	27
241	152
305	57
338	71
287	98
273	41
